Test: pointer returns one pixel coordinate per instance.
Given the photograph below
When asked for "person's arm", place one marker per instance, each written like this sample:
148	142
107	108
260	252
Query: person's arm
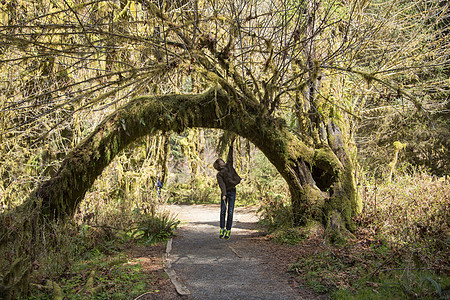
230	153
223	188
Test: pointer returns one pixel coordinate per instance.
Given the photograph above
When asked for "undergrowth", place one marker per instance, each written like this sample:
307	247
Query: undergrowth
156	229
99	268
261	184
98	275
400	250
72	258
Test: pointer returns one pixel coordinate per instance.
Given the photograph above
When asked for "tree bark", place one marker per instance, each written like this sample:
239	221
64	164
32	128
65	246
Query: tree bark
321	186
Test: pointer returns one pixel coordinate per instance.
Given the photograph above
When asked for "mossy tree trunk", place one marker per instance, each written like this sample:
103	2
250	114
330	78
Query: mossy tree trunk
321	184
328	182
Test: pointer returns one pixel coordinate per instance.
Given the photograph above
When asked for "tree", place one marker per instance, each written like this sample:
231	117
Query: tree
417	36
286	75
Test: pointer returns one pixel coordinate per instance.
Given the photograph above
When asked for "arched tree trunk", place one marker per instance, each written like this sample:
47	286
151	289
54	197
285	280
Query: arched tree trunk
322	187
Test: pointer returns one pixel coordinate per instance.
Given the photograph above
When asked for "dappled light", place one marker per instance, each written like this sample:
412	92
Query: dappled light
112	113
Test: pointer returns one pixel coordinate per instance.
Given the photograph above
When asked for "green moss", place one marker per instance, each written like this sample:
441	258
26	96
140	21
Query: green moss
314	228
107	156
297	149
315	201
344	201
336	228
145	115
349	183
341	203
115	146
399	146
326	160
315	196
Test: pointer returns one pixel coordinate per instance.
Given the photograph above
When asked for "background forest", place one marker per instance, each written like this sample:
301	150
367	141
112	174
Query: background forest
378	71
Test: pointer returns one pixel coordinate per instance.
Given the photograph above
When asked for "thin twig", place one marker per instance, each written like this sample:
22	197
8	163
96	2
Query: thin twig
140	296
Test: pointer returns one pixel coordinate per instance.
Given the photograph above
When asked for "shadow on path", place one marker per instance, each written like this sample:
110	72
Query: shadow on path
213	268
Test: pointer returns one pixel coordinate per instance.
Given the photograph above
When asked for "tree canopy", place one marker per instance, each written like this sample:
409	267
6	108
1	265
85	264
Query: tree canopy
68	56
306	81
314	69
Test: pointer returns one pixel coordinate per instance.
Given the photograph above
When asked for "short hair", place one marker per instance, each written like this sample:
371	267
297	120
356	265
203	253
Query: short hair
217	164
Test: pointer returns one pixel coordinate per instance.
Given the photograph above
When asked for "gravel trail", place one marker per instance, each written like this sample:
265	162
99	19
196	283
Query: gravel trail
213	268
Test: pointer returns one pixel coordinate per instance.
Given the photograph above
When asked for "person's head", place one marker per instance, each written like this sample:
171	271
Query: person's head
219	164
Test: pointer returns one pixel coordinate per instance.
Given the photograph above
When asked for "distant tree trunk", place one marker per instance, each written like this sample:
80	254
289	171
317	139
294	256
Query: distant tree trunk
322	186
164	163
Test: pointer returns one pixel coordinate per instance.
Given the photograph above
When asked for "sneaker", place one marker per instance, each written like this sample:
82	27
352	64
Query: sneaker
227	234
222	233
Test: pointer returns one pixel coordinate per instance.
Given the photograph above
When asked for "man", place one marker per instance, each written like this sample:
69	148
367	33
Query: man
227	178
159	186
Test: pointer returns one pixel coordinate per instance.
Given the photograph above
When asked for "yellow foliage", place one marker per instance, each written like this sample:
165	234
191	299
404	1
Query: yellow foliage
399	146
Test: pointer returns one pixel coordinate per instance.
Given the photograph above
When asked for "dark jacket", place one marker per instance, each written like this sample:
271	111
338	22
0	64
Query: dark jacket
227	177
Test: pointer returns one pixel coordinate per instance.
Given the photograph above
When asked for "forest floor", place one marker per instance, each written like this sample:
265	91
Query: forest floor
294	265
285	264
400	250
247	266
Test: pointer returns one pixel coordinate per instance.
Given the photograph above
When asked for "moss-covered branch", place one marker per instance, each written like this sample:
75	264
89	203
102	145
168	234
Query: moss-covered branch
60	195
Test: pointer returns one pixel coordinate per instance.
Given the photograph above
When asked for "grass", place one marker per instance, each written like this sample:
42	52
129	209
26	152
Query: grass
154	230
101	276
358	276
85	258
289	236
400	250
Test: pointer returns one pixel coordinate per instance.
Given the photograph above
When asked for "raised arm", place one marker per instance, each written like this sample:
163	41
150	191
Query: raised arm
230	153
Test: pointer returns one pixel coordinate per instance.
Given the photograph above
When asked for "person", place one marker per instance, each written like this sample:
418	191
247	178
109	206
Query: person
227	178
159	186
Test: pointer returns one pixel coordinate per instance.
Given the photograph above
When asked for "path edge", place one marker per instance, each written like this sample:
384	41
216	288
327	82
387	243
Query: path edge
180	287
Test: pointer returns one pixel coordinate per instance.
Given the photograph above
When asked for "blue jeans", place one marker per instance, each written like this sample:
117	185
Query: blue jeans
230	199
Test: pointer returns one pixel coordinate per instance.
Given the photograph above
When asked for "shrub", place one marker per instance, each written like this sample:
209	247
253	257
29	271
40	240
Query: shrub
156	228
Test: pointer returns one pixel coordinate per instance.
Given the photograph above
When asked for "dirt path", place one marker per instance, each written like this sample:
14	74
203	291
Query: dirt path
213	268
